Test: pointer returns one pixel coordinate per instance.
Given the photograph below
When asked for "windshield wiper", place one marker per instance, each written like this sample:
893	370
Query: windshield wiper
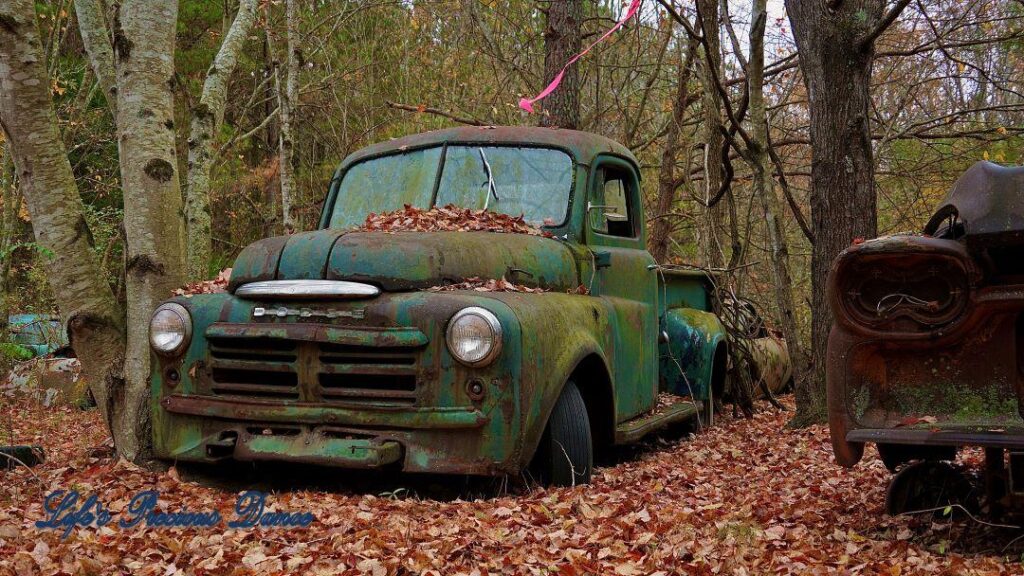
491	188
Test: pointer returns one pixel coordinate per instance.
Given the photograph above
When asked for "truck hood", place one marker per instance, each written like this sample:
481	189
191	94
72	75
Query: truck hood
397	261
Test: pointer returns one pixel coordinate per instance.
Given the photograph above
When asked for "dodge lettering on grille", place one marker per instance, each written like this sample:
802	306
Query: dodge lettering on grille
284	312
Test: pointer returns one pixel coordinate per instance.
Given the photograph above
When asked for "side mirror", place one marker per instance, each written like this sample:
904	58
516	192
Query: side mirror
602	259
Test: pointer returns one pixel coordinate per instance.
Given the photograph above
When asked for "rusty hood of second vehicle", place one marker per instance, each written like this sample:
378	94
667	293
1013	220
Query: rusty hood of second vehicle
397	261
988	200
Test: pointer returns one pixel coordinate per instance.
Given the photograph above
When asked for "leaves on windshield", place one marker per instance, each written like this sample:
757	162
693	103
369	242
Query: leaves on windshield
450	218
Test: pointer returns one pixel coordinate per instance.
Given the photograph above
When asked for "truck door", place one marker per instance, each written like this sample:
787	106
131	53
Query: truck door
615	234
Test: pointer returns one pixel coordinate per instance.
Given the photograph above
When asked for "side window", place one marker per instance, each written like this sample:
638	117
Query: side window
610	206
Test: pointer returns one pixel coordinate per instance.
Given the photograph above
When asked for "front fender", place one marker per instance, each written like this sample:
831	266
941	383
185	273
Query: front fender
559	331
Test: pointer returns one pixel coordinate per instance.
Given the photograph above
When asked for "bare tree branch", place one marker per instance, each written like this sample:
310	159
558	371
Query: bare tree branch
438	112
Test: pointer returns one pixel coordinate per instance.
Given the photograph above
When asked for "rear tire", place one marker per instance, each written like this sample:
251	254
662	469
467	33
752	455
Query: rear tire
565	456
930	486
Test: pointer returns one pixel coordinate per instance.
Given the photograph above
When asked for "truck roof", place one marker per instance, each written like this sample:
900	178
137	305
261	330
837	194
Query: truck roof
582	146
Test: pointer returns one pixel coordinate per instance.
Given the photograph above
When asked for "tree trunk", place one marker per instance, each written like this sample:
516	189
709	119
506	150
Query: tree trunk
271	141
92	25
271	137
562	40
286	97
95	323
144	34
764	190
836	63
712	134
9	198
667	184
206	122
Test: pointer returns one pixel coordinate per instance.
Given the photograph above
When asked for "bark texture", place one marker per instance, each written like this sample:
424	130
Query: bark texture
562	40
92	25
763	188
95	323
206	121
144	34
667	179
836	63
11	202
712	134
286	96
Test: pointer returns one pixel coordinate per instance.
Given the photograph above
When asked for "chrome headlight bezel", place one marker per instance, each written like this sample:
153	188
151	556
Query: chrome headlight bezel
496	335
186	329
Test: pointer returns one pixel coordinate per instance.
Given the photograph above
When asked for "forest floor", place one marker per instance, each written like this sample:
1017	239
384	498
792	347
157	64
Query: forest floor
746	497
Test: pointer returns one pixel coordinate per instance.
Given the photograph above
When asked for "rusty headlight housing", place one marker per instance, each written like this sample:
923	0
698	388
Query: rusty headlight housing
170	329
474	336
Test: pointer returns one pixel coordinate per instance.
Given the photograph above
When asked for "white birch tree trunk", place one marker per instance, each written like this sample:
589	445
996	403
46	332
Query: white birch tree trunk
95	322
144	35
206	121
92	25
286	96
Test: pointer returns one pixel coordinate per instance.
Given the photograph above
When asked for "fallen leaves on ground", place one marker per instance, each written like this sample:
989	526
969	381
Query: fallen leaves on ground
450	218
746	497
217	285
480	285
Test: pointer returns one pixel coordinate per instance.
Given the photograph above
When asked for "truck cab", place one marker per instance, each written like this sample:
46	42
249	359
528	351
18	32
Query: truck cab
345	346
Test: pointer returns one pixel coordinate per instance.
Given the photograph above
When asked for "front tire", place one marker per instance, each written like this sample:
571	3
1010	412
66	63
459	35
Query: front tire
565	456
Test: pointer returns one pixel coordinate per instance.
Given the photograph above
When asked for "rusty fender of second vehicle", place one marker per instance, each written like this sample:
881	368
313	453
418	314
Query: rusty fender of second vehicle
328	347
927	351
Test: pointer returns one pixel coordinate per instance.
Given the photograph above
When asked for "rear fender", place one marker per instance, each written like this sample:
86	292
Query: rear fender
687	363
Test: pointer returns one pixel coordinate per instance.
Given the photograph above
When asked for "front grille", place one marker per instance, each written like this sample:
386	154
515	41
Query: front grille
254	368
317	372
366	374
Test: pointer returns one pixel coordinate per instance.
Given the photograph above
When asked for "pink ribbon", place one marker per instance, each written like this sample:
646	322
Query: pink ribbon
527	103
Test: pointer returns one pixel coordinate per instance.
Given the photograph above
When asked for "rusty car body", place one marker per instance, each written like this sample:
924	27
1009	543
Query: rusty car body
365	377
767	353
38	334
927	351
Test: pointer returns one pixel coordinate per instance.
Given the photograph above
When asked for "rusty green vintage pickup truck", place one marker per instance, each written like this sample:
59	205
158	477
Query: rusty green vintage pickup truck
330	348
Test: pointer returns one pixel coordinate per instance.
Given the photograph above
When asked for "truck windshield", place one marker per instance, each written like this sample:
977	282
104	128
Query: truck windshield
532	182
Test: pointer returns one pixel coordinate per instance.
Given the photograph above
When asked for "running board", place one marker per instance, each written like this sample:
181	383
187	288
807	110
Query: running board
637	428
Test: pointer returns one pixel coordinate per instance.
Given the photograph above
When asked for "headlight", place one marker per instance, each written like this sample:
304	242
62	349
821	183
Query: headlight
474	336
170	330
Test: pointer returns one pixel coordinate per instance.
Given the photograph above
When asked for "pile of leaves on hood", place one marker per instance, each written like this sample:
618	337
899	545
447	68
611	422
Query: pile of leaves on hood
744	497
480	285
218	284
450	218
